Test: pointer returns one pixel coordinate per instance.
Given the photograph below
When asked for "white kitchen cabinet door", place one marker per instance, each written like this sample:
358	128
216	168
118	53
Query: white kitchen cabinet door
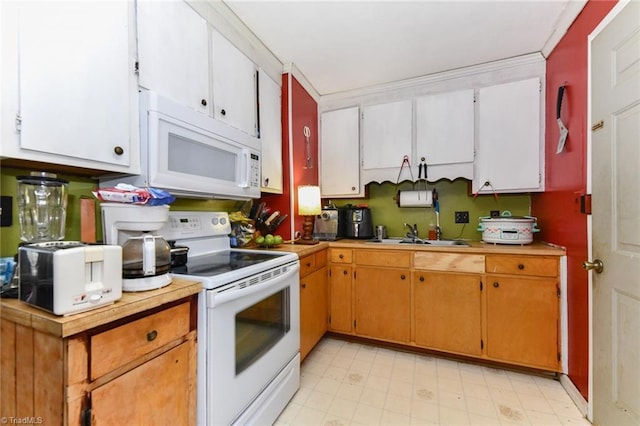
234	85
445	128
340	153
75	85
270	134
173	52
509	151
386	134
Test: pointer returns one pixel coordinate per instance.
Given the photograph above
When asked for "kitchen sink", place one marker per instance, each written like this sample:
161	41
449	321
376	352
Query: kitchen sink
420	242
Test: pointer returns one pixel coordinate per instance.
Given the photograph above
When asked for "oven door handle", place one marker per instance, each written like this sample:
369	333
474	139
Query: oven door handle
234	294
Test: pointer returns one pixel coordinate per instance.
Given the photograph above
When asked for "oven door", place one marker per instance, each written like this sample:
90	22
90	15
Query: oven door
252	333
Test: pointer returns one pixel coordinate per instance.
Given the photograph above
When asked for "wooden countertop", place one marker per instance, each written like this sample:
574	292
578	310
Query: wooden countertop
130	303
536	248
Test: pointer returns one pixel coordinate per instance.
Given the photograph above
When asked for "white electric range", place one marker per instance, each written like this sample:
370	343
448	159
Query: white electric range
248	321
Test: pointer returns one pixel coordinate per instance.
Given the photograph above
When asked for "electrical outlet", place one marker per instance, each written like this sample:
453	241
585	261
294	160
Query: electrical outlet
494	213
462	217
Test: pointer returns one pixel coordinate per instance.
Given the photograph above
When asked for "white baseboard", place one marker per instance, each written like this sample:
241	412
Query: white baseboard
574	394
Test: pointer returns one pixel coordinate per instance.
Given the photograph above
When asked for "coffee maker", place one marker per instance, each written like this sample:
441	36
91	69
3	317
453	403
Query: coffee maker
146	255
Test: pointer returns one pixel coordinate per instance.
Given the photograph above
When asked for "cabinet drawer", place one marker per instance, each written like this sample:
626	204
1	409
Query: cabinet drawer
118	346
396	259
307	265
454	262
312	263
341	255
523	265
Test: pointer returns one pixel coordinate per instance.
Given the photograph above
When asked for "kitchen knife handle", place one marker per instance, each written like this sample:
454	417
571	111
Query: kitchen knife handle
559	101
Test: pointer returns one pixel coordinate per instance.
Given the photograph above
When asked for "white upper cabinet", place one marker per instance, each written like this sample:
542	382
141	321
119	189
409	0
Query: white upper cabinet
386	134
445	133
509	151
173	52
340	153
68	85
270	95
234	85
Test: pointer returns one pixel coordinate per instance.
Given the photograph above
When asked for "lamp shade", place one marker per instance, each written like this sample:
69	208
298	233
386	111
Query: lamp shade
309	200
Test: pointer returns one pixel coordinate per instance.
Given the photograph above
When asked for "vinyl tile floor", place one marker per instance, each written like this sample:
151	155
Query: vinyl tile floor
346	383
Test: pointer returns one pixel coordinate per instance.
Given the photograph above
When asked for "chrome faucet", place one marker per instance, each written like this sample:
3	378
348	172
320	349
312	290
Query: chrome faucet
413	230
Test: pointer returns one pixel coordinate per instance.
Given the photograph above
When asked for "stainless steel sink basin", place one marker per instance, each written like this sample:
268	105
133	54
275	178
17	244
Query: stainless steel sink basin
420	242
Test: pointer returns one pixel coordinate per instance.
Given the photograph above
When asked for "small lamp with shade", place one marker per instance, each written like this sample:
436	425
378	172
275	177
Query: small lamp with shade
309	205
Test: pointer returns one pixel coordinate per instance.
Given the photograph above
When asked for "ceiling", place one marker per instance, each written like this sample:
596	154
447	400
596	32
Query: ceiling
346	45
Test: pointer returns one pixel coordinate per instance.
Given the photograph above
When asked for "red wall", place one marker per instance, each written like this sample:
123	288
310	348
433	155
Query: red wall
558	208
304	113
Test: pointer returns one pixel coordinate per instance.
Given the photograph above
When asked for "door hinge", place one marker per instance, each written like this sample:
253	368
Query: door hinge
329	271
354	324
136	67
481	344
559	357
558	291
18	123
585	203
329	319
354	275
481	286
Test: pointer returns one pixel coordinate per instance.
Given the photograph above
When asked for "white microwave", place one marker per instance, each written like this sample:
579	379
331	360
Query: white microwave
191	154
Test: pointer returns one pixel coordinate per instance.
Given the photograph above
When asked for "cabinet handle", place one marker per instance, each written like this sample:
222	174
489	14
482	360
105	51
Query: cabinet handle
304	285
421	278
308	264
353	188
151	336
520	266
203	102
118	150
344	272
402	277
496	284
223	112
341	256
266	182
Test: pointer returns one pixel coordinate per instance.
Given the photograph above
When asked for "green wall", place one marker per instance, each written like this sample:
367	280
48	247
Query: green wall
81	187
453	195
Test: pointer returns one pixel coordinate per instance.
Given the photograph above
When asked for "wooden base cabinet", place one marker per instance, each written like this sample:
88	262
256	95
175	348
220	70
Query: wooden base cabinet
340	290
133	362
383	303
523	321
313	300
448	312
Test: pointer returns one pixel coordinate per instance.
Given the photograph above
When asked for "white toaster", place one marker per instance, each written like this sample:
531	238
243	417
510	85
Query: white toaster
65	277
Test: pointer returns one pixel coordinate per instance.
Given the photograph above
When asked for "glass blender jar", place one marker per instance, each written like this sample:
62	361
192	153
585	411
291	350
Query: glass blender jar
42	207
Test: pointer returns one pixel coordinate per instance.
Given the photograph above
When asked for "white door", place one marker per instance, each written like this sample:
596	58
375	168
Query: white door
615	148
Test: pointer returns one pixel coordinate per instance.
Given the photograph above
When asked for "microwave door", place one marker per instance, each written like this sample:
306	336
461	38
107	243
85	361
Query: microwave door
189	159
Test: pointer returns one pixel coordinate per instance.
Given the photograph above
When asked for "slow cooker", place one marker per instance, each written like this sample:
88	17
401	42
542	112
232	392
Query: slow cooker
507	229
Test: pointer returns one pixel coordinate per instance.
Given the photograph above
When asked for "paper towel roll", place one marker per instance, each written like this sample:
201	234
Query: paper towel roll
422	198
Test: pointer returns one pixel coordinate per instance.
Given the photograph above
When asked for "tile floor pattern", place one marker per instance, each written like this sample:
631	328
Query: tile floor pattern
345	383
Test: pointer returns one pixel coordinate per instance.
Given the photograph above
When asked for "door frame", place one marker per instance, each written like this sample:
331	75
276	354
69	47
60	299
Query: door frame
596	31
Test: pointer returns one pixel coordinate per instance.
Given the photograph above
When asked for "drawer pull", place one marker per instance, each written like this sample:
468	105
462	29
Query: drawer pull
304	285
402	277
496	284
421	278
308	264
341	256
151	336
344	272
520	266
